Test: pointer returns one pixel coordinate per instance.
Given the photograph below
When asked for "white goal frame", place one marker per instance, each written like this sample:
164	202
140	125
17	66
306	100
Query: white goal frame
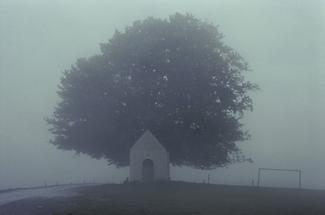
298	171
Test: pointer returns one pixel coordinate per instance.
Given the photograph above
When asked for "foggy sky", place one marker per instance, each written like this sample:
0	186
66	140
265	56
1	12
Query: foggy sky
283	42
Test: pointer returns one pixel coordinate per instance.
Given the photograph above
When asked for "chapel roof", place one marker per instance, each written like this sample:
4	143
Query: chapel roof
148	141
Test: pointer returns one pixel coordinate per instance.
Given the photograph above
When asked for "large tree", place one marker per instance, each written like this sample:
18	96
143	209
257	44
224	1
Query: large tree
174	77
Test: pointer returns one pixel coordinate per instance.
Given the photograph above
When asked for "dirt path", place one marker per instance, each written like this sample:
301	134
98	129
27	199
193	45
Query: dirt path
49	192
38	201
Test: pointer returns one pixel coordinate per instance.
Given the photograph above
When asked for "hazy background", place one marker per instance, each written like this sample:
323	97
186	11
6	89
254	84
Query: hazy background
283	41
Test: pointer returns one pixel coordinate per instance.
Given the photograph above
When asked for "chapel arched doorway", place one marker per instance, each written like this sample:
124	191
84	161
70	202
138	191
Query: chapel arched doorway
147	170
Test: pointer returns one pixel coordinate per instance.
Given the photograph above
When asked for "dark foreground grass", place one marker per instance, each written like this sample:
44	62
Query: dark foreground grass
188	198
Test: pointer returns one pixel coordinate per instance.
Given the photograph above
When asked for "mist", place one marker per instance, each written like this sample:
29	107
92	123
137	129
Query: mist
282	42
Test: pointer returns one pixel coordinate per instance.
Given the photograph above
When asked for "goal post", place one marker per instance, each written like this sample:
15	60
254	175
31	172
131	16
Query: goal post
298	171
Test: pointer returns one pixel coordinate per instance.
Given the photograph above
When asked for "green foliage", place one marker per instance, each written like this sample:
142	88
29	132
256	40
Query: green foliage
174	77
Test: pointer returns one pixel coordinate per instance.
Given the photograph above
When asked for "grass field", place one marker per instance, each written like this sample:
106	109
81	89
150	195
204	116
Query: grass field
182	198
189	198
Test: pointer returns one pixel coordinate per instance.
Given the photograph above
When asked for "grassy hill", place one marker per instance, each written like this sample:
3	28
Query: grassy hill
188	198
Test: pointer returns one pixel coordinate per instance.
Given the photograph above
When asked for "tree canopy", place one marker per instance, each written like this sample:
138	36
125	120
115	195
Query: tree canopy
174	77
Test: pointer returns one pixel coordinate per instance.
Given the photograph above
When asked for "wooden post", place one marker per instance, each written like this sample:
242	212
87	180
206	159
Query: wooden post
258	177
208	178
299	179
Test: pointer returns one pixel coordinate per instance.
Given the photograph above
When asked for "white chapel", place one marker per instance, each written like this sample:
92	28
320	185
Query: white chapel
149	160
